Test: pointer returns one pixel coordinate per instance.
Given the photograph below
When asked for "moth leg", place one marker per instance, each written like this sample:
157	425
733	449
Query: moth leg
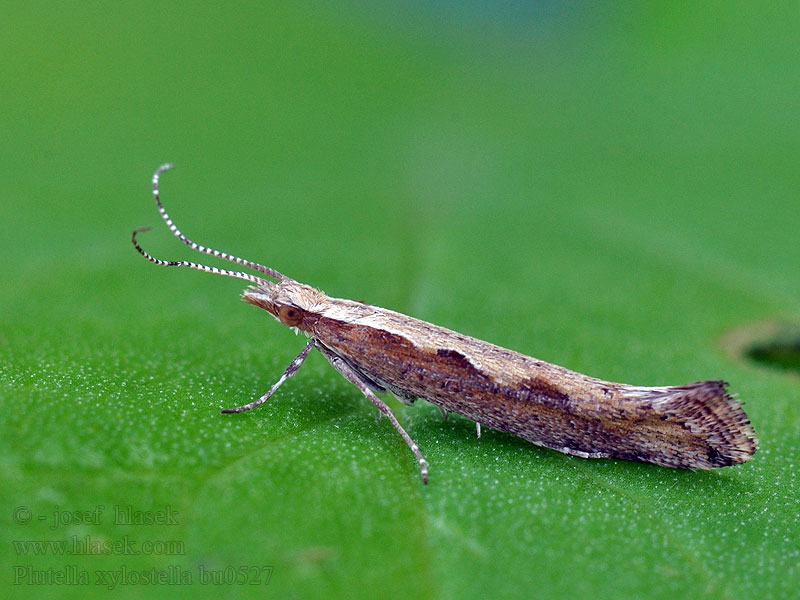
289	372
478	429
353	377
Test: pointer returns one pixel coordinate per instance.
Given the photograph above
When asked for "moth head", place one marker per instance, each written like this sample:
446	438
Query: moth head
288	301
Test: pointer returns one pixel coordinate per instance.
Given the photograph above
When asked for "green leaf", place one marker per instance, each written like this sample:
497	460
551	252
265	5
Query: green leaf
610	189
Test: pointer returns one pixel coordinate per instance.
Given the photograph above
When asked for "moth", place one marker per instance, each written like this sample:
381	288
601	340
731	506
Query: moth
693	426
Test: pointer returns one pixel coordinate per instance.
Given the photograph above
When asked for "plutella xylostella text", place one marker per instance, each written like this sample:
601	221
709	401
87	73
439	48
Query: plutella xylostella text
693	426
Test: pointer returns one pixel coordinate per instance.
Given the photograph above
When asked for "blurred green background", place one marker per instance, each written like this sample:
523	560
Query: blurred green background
608	187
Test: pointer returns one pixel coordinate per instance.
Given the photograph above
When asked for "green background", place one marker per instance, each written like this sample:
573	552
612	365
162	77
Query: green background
610	188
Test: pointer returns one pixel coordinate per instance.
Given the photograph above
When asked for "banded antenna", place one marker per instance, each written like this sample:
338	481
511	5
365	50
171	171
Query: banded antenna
210	251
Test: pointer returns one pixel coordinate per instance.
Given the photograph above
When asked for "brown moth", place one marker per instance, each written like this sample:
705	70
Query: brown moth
693	426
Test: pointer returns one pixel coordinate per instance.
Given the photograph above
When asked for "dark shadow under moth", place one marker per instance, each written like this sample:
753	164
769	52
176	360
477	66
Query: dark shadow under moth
693	426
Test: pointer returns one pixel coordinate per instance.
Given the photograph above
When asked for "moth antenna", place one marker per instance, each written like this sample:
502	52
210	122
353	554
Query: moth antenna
185	263
210	251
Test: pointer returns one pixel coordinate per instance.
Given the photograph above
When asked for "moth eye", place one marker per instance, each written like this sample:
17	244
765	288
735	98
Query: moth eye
290	315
